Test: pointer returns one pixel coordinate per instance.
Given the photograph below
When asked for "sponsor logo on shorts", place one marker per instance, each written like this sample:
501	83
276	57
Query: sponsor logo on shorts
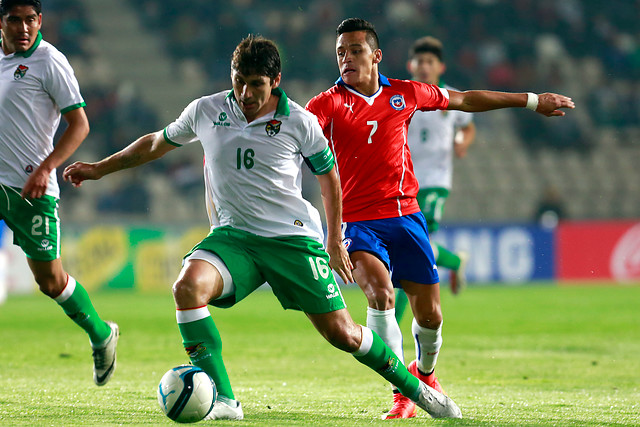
273	127
333	291
347	242
397	102
20	72
435	267
46	245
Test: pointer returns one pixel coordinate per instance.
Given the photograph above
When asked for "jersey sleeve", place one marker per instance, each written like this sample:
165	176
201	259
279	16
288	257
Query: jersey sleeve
430	97
182	130
315	148
60	82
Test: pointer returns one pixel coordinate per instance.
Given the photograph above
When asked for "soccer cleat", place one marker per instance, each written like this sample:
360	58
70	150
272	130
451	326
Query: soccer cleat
436	404
403	407
222	411
431	380
458	278
104	357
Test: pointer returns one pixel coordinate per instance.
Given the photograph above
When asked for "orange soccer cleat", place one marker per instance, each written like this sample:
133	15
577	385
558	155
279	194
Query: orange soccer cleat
430	380
403	407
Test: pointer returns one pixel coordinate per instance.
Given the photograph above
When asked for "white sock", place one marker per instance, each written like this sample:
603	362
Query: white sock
428	343
384	324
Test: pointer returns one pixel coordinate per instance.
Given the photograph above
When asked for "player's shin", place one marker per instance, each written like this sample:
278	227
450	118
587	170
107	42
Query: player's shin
428	343
383	323
374	353
76	304
203	344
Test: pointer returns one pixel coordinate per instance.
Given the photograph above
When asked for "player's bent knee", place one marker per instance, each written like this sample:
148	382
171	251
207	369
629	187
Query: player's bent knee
431	320
381	298
189	292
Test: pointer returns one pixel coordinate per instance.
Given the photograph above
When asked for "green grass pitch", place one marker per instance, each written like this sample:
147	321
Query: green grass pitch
532	355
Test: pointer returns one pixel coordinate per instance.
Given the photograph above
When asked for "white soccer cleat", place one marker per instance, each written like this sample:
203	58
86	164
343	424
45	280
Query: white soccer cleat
458	278
222	411
104	357
438	405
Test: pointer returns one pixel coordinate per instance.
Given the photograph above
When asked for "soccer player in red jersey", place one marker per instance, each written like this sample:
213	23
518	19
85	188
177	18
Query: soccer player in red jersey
365	117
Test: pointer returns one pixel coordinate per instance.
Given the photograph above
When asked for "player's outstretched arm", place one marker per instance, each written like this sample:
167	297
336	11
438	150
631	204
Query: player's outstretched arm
145	149
548	104
332	200
77	130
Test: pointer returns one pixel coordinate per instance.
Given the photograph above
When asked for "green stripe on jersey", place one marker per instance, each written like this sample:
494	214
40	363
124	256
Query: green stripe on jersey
167	140
321	163
73	107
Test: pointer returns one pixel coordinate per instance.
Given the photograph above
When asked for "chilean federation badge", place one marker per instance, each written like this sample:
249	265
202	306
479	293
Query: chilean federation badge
397	102
273	127
20	72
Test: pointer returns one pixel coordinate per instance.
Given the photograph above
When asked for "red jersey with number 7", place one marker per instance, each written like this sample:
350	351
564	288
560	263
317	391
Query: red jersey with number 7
368	136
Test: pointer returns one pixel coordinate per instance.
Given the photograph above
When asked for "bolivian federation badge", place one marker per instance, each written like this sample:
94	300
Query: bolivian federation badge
273	127
20	72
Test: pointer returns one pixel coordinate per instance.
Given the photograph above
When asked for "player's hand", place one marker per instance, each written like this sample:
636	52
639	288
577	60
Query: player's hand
550	103
340	262
36	185
80	171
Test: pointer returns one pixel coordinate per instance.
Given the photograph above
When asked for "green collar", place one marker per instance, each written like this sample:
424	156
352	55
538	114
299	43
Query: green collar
283	103
33	47
441	84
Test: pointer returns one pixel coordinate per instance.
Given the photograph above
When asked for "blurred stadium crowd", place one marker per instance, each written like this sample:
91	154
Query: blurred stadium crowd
587	162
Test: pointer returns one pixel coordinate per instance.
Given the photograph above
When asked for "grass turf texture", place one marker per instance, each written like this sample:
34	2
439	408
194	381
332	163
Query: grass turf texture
534	355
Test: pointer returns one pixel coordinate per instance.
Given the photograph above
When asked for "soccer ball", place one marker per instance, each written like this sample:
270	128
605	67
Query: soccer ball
186	394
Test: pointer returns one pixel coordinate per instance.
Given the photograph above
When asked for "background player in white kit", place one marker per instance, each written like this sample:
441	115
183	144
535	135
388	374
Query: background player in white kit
37	86
434	137
255	141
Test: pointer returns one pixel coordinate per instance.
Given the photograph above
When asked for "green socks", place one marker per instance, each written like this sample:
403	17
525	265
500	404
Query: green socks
374	353
447	259
76	304
401	304
203	344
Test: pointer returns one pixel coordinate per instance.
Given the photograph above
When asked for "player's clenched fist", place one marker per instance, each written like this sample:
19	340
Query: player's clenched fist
80	171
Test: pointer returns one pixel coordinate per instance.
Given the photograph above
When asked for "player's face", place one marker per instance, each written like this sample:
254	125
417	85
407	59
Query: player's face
19	29
356	60
253	93
426	67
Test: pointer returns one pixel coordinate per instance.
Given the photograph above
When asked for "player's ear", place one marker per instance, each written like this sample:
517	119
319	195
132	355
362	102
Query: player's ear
443	67
377	56
276	81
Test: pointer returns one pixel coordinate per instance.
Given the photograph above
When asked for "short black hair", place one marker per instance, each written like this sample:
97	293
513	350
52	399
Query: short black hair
7	5
427	44
256	55
350	25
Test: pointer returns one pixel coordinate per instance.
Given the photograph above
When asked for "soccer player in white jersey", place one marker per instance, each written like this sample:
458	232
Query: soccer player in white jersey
255	140
434	137
37	86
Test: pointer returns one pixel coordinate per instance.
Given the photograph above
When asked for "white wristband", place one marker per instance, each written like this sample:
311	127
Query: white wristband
532	101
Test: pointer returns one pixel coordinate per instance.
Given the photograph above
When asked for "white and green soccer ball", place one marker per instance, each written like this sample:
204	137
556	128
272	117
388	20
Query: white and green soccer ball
186	394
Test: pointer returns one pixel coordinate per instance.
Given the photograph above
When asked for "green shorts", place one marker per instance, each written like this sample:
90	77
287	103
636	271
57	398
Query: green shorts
431	201
35	223
296	268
